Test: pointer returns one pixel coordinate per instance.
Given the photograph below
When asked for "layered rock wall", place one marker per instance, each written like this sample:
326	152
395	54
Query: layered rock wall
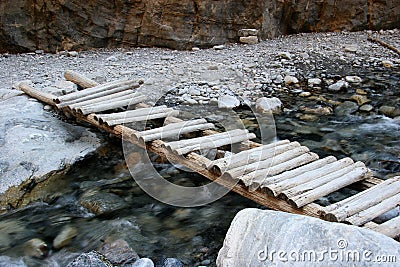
53	25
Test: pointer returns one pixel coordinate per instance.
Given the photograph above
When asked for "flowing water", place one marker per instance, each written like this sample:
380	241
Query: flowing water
193	235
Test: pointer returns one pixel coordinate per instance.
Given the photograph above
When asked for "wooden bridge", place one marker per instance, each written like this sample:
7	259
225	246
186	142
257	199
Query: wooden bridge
282	175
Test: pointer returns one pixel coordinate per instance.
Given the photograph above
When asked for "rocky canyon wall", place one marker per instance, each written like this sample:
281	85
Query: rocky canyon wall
52	25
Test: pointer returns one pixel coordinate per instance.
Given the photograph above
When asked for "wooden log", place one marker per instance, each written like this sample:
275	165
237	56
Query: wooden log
323	168
364	201
353	176
95	90
136	112
98	100
254	156
372	212
171	126
112	105
236	173
279	168
39	95
195	141
214	143
154	116
370	192
97	95
175	133
79	79
390	228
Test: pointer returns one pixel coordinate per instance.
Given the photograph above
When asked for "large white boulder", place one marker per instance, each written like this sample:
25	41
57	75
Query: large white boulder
271	238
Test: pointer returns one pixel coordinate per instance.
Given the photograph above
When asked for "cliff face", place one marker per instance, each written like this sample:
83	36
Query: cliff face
74	24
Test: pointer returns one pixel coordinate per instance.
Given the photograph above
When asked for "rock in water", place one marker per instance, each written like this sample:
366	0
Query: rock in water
101	202
265	105
91	259
119	252
143	262
346	108
338	86
64	237
169	262
35	248
228	102
272	238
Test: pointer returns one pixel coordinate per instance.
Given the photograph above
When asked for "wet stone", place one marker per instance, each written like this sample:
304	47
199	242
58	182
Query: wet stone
101	202
366	108
119	252
65	237
346	108
36	248
389	111
169	262
360	99
91	259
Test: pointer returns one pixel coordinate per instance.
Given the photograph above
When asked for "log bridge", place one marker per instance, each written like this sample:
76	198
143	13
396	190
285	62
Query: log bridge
281	175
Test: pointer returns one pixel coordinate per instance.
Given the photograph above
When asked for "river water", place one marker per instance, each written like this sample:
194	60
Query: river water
99	198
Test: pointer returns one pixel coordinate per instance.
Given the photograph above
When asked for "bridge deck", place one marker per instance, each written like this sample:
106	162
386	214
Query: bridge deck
282	175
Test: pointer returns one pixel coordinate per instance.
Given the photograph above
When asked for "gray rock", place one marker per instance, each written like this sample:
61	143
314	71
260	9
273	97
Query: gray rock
90	259
247	32
285	55
271	238
228	101
65	237
34	143
290	80
119	252
338	86
265	105
314	81
389	111
169	262
35	248
366	108
219	47
360	99
143	262
351	48
353	79
101	202
10	262
72	53
346	108
251	40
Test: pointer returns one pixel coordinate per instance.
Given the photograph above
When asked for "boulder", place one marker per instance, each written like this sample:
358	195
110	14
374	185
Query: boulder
271	238
228	102
247	32
34	143
90	259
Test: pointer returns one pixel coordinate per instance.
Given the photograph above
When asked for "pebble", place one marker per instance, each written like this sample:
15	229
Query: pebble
338	86
266	105
219	47
366	108
72	53
389	111
195	49
39	52
314	81
291	80
346	108
247	32
360	99
228	102
65	237
169	262
305	94
36	248
119	252
285	55
353	79
143	262
351	48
